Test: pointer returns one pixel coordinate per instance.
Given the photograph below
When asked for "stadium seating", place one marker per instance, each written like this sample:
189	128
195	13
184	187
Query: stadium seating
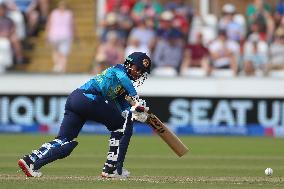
222	73
164	71
194	72
277	73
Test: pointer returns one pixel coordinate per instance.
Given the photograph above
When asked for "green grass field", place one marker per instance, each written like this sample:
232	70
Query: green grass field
213	162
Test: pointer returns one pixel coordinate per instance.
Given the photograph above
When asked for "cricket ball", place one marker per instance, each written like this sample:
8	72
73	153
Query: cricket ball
268	171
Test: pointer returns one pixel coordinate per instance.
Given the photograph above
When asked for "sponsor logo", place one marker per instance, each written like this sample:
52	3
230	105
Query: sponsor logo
156	124
146	63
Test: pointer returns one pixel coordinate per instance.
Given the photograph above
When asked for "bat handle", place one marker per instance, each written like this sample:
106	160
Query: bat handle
132	103
130	100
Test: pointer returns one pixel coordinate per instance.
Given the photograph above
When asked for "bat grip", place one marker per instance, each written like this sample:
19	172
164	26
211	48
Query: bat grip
132	103
130	100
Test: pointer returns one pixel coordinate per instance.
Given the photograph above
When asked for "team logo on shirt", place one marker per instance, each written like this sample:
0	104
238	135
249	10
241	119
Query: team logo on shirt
119	90
146	63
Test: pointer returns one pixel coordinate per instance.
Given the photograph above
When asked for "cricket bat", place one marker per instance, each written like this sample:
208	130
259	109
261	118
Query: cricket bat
168	136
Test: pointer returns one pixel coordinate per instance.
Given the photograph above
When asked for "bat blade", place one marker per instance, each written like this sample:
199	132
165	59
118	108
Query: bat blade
168	136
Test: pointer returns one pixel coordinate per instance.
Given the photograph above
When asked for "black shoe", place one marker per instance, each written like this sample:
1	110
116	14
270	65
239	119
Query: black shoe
110	171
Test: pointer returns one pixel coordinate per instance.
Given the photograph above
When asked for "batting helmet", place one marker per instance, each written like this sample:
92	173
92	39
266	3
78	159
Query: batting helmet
141	60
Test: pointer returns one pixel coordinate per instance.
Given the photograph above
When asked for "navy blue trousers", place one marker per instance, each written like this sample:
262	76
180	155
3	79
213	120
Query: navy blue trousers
79	109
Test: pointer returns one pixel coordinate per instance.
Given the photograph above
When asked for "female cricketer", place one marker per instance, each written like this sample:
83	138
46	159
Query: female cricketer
101	99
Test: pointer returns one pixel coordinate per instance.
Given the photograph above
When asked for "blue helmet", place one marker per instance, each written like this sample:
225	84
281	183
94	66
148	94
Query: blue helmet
141	60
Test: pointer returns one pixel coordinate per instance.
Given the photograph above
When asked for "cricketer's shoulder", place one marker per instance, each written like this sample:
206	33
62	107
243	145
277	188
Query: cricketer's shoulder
124	79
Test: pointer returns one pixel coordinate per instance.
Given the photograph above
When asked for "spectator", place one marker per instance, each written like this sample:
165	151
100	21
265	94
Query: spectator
124	20
144	28
121	9
165	23
224	53
30	12
276	52
18	19
146	8
109	53
60	30
168	54
8	31
196	56
280	7
233	29
255	30
182	15
111	24
135	45
168	25
6	56
260	13
279	12
255	56
117	5
180	6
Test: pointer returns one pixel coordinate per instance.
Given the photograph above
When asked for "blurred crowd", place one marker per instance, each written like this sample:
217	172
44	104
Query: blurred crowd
19	20
181	41
178	38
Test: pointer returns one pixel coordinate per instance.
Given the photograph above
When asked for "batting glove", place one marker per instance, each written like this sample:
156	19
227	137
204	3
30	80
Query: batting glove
138	116
140	105
139	111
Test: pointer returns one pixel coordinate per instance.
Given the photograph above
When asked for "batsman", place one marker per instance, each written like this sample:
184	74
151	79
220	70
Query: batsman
101	99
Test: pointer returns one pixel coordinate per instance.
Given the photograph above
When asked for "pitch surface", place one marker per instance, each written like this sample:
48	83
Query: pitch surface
213	162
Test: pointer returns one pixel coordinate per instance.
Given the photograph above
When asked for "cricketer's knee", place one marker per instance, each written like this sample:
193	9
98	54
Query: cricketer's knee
56	149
